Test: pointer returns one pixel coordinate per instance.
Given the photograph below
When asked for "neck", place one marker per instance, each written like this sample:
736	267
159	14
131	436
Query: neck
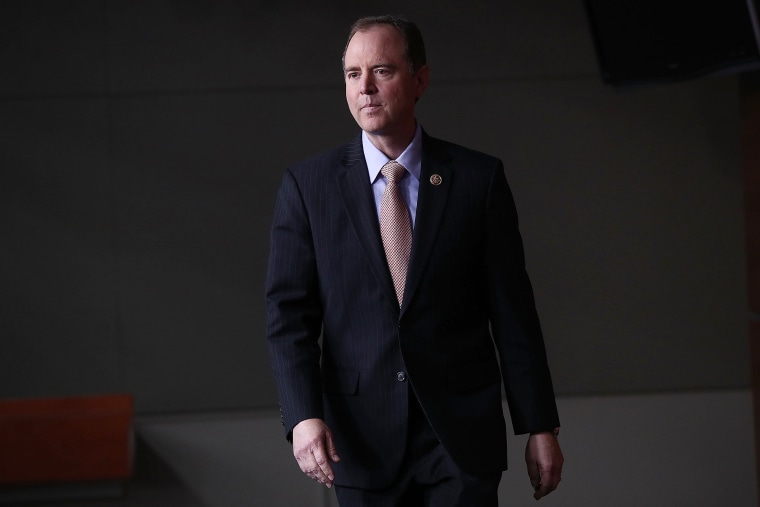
392	146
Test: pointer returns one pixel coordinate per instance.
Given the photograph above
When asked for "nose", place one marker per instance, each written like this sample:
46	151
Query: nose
367	83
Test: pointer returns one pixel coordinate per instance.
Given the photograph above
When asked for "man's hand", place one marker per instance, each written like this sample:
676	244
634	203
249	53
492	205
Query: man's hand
314	449
544	459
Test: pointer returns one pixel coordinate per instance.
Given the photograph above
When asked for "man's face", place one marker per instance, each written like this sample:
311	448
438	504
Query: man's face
380	91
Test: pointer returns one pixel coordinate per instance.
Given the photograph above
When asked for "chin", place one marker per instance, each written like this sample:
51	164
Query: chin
370	123
373	124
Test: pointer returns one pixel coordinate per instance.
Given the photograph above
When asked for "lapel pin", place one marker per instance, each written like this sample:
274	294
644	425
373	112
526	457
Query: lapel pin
436	179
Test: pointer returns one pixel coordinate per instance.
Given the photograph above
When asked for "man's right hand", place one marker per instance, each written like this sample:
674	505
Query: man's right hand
314	449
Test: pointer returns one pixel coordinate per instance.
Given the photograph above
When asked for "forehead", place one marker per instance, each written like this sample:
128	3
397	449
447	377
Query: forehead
380	41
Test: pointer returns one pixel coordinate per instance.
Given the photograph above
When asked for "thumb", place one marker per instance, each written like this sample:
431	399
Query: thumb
332	451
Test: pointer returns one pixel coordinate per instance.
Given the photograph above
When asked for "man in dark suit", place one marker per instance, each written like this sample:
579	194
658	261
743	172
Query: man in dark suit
403	253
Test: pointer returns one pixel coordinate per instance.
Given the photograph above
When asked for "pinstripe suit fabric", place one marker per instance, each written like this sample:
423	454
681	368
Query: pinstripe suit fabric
466	290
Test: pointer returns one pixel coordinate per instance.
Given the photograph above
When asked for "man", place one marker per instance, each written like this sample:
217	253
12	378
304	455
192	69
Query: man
403	252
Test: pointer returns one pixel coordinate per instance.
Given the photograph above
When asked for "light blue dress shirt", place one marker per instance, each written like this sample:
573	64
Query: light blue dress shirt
411	159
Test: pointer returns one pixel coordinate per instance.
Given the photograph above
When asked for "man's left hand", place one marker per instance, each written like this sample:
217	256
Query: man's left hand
544	459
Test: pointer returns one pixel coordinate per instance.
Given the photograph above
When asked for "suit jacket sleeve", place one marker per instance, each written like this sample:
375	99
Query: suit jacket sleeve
294	309
514	320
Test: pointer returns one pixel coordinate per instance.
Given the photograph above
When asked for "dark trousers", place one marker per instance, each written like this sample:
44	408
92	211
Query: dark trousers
428	478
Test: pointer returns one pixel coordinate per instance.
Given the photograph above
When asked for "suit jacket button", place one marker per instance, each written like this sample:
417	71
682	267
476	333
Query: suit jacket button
401	376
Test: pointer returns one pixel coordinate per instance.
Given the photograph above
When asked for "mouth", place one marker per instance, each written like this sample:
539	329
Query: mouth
370	108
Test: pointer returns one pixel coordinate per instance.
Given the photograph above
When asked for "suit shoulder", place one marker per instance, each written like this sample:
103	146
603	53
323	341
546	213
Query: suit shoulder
327	160
457	151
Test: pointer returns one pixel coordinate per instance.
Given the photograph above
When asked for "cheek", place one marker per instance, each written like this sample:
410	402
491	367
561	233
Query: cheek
395	96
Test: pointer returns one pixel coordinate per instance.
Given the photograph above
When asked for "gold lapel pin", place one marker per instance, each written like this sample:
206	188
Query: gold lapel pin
436	179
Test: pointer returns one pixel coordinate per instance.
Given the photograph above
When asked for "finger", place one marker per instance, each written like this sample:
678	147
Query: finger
547	484
535	475
325	471
309	466
332	450
542	491
535	480
536	483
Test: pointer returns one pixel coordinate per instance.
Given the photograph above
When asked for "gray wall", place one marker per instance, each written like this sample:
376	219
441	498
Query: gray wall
141	144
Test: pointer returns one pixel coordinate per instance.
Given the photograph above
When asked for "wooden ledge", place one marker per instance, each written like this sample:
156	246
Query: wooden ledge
77	439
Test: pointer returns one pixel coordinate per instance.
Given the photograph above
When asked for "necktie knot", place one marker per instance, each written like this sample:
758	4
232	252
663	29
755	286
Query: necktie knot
393	171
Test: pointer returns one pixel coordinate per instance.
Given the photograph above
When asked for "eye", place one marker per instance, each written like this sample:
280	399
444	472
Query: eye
352	75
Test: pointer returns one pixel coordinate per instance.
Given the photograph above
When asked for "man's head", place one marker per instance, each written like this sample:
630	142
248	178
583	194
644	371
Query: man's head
385	73
414	46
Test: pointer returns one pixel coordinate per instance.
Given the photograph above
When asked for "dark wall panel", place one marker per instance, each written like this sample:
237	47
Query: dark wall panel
53	47
175	45
58	319
141	145
182	45
196	177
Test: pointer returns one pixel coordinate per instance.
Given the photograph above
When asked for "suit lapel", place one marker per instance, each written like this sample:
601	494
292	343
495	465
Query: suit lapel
355	189
431	203
353	182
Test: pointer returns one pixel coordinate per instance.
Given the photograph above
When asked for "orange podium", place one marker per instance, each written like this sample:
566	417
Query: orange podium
86	439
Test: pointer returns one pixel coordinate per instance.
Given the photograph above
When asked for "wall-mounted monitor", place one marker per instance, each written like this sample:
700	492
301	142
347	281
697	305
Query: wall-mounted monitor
640	41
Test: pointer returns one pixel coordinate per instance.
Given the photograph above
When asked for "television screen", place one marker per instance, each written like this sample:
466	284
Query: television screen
667	40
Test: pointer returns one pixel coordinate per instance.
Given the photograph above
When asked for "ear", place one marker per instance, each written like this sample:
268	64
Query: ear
421	79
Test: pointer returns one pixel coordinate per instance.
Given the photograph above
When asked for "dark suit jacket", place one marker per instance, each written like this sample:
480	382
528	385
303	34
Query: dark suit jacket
466	291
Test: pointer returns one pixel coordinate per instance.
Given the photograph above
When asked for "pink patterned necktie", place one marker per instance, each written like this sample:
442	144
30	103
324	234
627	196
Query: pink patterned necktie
395	226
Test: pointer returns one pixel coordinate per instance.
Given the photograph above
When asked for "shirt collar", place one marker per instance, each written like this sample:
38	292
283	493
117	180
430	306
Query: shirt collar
411	158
